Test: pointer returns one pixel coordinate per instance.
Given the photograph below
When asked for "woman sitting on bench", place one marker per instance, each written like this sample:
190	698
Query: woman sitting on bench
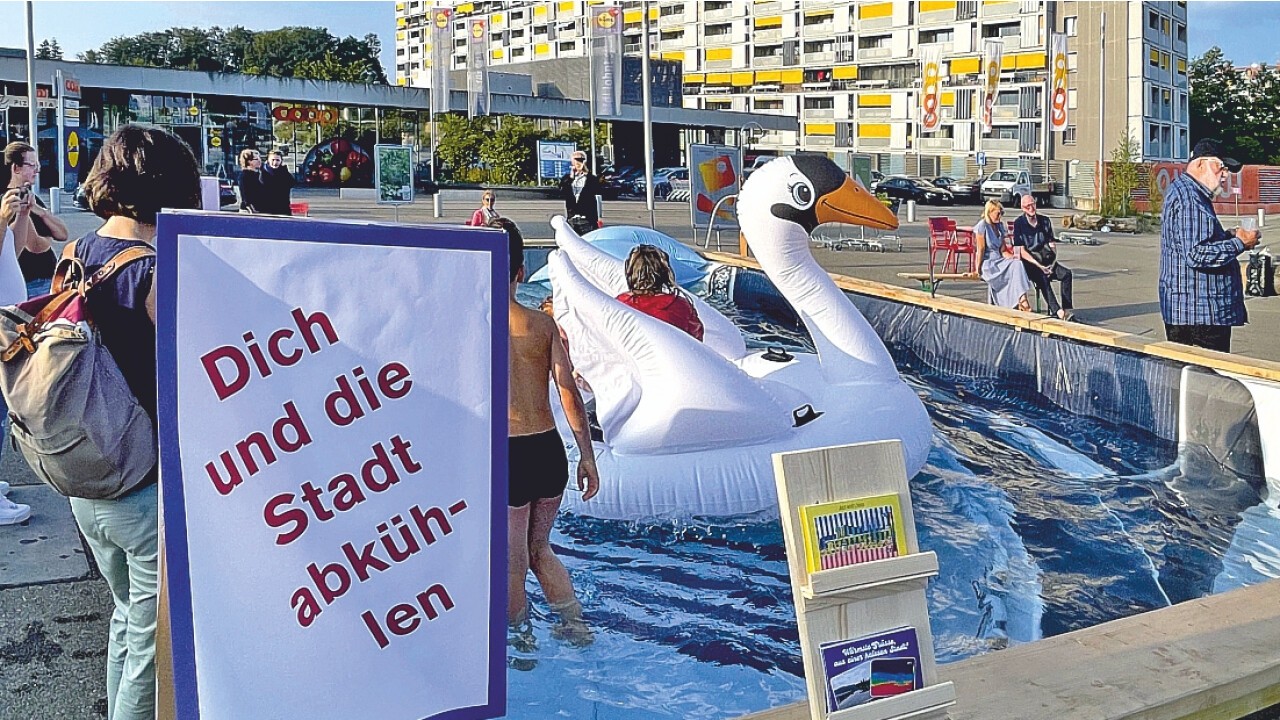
1006	278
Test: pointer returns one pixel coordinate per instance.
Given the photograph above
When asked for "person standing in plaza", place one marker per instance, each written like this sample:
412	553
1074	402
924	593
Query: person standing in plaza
37	258
139	171
277	186
486	213
580	190
1201	288
252	189
16	205
539	469
1033	233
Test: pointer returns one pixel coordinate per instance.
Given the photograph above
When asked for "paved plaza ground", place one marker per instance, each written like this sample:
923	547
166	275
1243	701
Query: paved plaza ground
54	606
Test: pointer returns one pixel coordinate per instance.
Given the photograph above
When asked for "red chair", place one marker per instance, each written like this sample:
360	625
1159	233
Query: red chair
941	238
962	243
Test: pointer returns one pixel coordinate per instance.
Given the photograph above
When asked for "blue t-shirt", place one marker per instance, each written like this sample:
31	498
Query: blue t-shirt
119	309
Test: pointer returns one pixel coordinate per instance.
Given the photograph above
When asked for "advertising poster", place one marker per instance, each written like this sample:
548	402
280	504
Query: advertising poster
477	66
553	159
992	56
393	174
606	56
333	477
1058	66
931	89
715	173
441	35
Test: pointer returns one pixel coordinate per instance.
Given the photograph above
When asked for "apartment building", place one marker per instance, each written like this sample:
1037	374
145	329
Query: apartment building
850	72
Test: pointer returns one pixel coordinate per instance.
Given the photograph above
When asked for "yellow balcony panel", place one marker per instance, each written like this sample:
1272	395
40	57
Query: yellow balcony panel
936	5
399	34
673	55
768	22
499	18
399	81
874	130
653	14
539	11
997	2
464	8
966	66
401	22
628	17
871	11
820	129
845	72
792	76
743	79
542	49
949	98
1030	61
496	54
763	76
694	78
875	100
719	78
566	6
725	53
399	7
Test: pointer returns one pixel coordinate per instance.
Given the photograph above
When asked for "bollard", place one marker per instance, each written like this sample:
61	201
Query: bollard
1262	216
55	201
911	211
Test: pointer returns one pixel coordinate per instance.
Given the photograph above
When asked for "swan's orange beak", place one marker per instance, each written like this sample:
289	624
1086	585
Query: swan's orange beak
851	204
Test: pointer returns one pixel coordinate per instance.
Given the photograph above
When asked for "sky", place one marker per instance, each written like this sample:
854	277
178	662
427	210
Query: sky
1244	30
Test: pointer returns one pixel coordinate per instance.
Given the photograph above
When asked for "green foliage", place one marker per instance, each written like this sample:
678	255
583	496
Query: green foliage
458	149
581	135
1124	178
49	50
1242	109
288	52
510	152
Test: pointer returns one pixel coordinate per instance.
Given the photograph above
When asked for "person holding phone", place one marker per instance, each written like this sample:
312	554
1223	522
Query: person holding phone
15	205
580	190
36	258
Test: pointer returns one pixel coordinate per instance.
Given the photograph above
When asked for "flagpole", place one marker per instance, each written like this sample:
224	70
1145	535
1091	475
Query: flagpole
647	104
591	92
33	108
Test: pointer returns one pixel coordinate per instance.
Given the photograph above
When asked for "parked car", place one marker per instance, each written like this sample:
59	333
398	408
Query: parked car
661	184
1009	186
963	189
921	191
877	177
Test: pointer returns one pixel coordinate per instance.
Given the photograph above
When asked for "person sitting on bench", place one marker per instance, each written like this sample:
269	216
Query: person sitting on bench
1034	233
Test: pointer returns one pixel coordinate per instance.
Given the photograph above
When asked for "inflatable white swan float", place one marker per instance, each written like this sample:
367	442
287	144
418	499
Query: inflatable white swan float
689	427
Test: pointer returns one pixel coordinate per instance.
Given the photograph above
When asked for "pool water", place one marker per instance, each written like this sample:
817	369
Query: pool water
1044	522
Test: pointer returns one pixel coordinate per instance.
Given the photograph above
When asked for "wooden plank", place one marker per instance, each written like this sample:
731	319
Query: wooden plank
852	578
1215	658
916	705
940	276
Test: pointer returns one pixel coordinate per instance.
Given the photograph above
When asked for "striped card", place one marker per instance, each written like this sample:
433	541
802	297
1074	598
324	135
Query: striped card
847	532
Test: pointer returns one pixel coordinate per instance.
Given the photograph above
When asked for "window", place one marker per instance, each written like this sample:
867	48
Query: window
964	104
719	30
1012	29
768	104
874	41
819	103
937	36
1182	33
1007	99
1069	135
966	9
1153	59
1153	20
1069	26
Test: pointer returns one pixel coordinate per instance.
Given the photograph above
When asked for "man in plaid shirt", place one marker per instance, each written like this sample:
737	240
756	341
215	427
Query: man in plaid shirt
1201	289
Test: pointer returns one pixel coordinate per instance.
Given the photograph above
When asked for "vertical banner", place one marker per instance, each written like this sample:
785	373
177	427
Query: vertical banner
334	487
931	89
1058	66
477	66
715	174
606	58
393	174
441	34
992	56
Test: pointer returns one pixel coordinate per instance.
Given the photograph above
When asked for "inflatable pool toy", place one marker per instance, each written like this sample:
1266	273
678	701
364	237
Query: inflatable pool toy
617	240
689	427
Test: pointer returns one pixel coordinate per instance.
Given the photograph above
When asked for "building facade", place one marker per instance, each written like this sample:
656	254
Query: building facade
849	73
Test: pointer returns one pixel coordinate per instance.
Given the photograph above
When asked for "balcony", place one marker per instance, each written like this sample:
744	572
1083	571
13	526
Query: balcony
876	53
929	143
718	40
720	14
861	143
938	17
766	36
719	64
819	113
945	47
824	56
1000	9
677	43
674	19
767	61
1004	112
819	140
874	113
767	8
1009	145
819	30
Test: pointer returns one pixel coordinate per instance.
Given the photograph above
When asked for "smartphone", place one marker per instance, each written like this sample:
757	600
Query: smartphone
892	676
23	192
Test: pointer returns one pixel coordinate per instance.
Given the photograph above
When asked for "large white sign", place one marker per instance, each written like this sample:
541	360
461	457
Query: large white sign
333	467
715	175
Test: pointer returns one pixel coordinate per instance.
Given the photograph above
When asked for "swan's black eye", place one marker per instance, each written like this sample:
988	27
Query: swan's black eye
802	194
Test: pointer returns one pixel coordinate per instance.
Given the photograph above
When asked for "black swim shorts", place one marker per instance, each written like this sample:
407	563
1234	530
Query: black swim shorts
538	468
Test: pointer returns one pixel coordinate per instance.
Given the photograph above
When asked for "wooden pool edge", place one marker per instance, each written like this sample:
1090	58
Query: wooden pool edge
1225	362
1212	658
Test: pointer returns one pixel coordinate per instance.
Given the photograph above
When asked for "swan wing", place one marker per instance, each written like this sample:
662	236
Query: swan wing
609	274
658	390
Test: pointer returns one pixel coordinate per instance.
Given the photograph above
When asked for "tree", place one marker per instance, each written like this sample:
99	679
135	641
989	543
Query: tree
509	152
90	56
49	50
1124	178
581	135
458	148
1242	109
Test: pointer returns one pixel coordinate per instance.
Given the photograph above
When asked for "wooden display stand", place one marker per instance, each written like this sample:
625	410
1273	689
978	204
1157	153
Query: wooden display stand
862	599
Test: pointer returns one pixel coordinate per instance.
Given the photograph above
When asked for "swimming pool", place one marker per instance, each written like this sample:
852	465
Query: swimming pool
1044	521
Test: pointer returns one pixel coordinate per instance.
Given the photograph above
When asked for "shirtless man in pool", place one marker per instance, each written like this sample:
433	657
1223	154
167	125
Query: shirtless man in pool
539	469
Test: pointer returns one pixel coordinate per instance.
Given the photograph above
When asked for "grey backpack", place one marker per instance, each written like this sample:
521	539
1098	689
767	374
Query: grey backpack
71	412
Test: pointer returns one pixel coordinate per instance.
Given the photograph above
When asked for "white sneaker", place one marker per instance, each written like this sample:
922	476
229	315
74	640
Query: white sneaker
12	513
4	488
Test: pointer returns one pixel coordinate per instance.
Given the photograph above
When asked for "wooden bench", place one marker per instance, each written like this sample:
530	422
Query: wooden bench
930	283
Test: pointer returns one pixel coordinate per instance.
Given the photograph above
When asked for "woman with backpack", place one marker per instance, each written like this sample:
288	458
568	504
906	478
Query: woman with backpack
16	204
139	171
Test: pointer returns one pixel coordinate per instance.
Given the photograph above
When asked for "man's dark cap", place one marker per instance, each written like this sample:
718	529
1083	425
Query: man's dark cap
1209	147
